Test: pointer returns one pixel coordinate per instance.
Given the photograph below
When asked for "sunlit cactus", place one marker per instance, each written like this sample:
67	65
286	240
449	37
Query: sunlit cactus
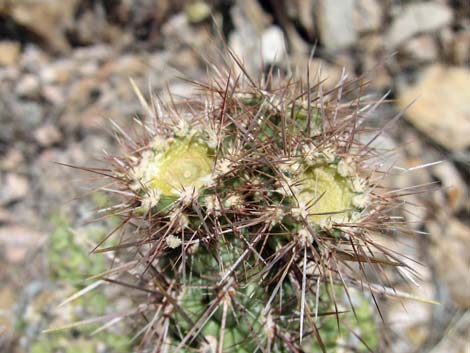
250	212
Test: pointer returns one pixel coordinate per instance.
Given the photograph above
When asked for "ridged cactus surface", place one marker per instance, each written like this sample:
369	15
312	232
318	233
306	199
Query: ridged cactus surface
250	212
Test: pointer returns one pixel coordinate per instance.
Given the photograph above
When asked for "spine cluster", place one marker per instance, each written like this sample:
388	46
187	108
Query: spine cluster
254	209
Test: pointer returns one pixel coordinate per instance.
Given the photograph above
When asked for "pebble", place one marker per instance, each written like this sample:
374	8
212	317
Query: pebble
449	253
415	18
12	160
242	40
367	16
441	110
19	241
14	187
422	48
33	58
454	186
58	72
273	45
48	135
54	94
46	20
456	337
336	23
9	52
408	318
28	86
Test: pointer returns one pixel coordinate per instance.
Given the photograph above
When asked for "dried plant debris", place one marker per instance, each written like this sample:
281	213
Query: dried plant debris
250	218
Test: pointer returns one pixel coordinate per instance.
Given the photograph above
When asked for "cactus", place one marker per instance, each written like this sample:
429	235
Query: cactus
252	211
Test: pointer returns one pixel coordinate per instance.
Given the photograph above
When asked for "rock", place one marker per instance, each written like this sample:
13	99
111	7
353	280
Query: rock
303	10
422	48
28	86
336	24
367	15
408	318
454	186
81	94
33	58
89	68
95	53
273	45
14	188
18	118
12	160
197	12
455	339
8	74
127	66
54	94
9	52
441	110
242	40
415	18
177	30
48	20
58	72
449	251
320	70
48	135
330	73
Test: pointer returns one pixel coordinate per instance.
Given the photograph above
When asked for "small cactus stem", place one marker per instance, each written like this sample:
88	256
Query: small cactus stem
248	207
171	167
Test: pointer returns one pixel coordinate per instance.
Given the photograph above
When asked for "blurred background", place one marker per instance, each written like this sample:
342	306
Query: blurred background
64	71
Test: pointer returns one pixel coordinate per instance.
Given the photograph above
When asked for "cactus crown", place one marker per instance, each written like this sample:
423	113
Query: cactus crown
256	208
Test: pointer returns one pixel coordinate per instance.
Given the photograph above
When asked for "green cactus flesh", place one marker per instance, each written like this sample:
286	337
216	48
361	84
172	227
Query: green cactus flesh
183	163
246	223
328	193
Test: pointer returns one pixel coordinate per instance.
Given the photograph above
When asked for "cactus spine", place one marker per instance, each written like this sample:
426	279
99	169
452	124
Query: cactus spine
255	209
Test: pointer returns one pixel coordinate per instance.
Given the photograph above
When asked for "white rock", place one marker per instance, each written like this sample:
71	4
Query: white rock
337	28
28	86
417	18
244	39
14	187
423	48
273	45
442	109
47	135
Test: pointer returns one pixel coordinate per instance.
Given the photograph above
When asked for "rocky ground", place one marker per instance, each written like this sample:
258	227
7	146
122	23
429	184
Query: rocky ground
65	68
